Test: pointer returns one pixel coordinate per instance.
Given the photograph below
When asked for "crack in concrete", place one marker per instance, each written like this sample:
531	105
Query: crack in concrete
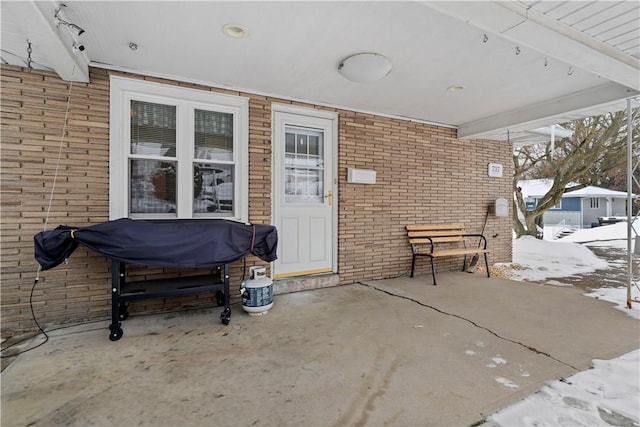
528	347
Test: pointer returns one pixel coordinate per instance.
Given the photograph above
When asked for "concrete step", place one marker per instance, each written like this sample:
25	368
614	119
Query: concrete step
565	233
304	283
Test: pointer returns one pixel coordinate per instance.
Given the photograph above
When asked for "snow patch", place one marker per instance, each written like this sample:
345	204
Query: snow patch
617	231
542	259
556	283
499	360
618	296
604	395
506	382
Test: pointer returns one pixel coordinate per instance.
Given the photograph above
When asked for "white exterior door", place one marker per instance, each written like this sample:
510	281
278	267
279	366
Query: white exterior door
304	199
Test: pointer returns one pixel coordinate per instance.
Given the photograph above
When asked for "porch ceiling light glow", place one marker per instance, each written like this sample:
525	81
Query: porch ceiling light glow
365	67
555	130
235	31
456	88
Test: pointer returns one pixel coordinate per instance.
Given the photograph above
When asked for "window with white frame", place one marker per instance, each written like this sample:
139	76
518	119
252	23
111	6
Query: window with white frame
177	152
594	203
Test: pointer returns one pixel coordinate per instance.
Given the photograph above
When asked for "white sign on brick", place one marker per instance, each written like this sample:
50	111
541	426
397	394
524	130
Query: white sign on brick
495	170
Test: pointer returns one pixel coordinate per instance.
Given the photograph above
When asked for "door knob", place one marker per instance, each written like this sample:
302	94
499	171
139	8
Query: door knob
329	197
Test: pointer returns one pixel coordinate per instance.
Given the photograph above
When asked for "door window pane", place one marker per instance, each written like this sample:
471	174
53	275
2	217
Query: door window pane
314	145
304	185
303	148
290	144
304	166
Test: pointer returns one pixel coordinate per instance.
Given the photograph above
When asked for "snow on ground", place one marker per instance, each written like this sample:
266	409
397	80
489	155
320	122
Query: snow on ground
537	260
543	259
608	394
617	231
618	296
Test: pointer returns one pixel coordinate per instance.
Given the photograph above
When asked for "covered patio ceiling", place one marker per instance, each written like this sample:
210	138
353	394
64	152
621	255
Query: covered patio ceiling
521	64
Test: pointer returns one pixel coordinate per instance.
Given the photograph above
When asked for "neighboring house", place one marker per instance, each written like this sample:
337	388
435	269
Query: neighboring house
580	208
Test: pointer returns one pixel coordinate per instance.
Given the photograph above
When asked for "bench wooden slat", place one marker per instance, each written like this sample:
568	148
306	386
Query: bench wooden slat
418	227
435	233
424	240
452	252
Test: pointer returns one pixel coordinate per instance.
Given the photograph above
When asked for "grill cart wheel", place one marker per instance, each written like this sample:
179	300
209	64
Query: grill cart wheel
123	313
220	297
225	316
116	333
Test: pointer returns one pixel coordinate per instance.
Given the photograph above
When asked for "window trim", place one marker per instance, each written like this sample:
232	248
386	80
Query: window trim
122	90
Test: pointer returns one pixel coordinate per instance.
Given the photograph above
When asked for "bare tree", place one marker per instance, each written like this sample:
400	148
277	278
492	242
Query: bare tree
596	149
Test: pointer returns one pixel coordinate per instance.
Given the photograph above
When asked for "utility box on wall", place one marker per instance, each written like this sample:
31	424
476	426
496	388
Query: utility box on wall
361	176
501	207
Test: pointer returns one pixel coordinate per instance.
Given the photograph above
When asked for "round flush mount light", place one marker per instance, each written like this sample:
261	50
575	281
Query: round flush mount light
456	88
365	67
235	31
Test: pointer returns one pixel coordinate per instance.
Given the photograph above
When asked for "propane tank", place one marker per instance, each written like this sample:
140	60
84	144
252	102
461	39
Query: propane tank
257	292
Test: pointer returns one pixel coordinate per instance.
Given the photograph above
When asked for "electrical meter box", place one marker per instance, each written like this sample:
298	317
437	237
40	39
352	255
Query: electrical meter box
501	207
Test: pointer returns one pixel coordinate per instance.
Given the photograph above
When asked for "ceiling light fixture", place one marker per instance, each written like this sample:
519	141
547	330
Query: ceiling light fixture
365	67
235	31
133	46
456	88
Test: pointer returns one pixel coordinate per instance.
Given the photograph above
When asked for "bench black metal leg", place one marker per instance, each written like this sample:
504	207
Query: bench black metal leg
464	263
486	263
433	271
413	264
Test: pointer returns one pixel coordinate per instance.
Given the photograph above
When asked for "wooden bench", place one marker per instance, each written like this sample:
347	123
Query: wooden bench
444	240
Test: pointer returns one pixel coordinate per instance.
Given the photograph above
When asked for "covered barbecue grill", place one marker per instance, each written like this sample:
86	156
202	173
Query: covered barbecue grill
175	243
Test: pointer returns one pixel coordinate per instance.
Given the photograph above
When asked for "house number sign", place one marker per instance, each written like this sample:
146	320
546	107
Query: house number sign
495	170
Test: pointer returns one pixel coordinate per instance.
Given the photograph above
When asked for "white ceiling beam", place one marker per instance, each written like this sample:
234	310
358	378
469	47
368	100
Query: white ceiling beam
544	112
533	30
55	42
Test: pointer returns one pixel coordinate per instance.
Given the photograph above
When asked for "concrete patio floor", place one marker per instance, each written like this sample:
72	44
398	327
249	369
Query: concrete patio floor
397	352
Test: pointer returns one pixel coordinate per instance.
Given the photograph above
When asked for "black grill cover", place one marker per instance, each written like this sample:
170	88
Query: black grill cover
174	243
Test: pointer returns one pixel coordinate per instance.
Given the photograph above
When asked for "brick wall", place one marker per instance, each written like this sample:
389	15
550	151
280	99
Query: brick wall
424	174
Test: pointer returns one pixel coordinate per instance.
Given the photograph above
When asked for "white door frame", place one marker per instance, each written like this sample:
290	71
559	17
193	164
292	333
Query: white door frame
333	117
